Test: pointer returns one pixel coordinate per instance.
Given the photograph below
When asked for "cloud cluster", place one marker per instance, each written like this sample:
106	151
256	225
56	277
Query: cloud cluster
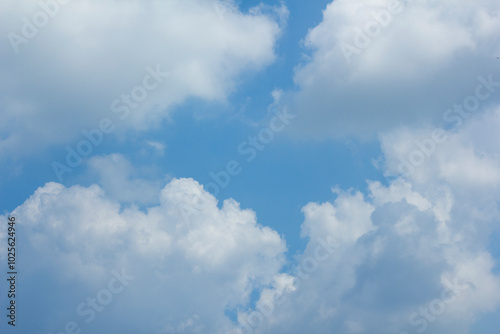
409	256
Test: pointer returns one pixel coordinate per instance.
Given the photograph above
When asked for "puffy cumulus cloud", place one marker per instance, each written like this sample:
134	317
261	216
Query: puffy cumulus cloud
378	64
414	255
345	221
79	64
466	156
187	272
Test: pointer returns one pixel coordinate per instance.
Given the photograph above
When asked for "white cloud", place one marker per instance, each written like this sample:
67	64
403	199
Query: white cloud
159	147
467	157
371	70
91	52
345	221
418	244
187	273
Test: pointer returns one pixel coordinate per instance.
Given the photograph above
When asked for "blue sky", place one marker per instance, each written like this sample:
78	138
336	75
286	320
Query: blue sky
369	198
